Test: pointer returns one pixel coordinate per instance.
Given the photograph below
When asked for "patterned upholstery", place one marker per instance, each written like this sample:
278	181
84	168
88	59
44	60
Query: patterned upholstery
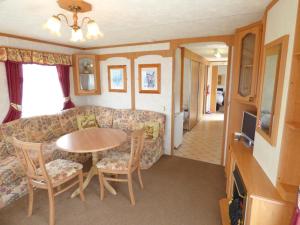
60	169
10	170
114	161
47	129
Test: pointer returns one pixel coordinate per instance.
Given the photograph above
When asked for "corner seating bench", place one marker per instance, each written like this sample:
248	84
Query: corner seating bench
47	129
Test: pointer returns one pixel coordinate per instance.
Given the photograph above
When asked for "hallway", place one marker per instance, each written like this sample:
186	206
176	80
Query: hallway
204	142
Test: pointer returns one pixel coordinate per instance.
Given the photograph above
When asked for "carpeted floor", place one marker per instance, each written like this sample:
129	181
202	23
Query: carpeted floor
177	191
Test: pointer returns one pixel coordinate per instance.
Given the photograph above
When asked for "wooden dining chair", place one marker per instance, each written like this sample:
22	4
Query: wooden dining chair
123	163
56	176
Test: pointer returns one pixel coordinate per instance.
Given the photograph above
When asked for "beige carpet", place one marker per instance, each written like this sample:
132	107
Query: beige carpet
177	191
204	141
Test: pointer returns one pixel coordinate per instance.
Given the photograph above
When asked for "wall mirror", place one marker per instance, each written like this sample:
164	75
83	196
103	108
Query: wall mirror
271	88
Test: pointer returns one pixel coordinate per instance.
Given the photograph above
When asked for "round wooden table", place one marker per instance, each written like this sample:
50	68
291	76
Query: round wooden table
92	140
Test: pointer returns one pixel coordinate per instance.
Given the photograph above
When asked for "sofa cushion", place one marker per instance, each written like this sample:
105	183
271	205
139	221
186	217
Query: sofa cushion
13	191
67	119
42	128
104	116
123	119
10	130
10	170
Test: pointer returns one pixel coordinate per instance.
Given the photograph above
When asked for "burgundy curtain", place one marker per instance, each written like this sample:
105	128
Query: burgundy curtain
14	74
64	79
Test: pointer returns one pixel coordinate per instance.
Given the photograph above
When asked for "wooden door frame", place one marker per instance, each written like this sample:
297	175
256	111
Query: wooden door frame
229	41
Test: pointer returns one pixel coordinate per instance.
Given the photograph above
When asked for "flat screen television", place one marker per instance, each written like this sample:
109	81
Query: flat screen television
248	127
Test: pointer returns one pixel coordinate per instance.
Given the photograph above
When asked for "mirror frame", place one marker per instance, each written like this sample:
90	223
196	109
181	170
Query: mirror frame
278	89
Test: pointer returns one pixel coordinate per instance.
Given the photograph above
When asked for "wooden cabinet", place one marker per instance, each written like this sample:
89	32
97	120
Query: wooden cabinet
86	75
248	45
264	205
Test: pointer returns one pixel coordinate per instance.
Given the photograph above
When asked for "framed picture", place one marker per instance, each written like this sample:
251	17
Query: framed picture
149	78
117	78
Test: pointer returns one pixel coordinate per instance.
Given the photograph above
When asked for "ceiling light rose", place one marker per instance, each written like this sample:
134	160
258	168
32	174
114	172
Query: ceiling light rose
75	6
218	54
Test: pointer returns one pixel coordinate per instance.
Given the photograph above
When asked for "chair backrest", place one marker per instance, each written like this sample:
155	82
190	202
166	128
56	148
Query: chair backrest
137	146
32	160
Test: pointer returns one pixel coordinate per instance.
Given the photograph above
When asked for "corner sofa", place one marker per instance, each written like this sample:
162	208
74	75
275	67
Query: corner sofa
47	129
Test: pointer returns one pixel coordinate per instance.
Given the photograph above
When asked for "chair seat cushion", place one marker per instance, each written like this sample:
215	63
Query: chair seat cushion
114	161
60	169
10	170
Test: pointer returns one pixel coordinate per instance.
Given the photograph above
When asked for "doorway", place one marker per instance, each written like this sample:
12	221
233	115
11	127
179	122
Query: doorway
204	76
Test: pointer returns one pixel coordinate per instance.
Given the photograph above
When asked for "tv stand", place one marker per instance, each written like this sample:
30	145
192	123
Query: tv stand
264	205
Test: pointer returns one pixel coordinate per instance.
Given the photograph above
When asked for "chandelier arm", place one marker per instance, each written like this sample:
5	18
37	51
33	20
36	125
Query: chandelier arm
63	16
84	19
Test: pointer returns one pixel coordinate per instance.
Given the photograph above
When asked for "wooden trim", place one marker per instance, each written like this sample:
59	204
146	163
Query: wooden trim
213	91
129	55
158	67
39	41
271	4
122	67
132	80
248	27
194	56
226	105
278	90
127	45
181	79
228	39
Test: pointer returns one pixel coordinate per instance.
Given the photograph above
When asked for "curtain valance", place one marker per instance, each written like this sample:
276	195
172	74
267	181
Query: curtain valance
32	56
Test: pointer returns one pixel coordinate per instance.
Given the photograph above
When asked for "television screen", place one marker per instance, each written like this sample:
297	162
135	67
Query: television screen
249	125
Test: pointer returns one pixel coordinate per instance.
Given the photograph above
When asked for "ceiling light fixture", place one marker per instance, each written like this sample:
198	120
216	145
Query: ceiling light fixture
218	54
75	6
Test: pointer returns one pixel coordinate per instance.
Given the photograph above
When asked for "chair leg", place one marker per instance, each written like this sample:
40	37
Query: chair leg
140	178
30	198
81	186
51	206
101	184
130	189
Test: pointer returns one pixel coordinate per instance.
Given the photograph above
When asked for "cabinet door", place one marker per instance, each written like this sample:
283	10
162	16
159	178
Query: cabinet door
86	75
249	51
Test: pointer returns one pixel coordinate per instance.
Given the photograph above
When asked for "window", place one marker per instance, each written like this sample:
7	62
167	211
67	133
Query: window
42	93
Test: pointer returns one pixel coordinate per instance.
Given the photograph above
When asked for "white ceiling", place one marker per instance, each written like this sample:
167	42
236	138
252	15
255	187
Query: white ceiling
208	50
125	21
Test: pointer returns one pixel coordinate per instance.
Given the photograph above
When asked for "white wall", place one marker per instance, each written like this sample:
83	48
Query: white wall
120	100
157	102
281	20
12	42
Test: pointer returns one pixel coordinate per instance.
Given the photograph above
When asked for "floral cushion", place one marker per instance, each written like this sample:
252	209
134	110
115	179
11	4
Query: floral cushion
104	116
86	121
114	161
10	170
13	191
60	169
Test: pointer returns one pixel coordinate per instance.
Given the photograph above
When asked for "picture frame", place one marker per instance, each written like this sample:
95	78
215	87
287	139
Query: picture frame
149	78
117	78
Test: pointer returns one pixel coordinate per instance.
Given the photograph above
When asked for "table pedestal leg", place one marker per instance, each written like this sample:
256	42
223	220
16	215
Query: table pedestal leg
94	172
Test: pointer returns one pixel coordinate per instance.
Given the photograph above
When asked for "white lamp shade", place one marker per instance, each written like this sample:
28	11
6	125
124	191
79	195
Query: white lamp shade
77	35
93	31
54	24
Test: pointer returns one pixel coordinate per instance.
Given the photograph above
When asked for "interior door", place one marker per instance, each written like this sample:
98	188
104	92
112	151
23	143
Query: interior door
194	95
202	69
214	85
